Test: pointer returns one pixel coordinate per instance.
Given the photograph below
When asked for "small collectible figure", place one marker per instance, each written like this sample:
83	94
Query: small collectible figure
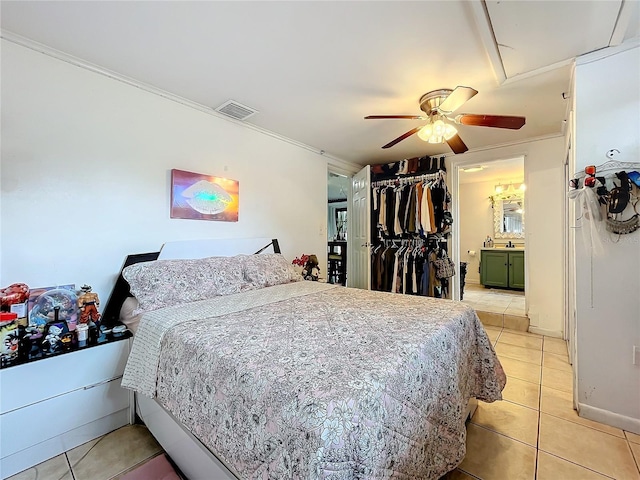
88	302
311	270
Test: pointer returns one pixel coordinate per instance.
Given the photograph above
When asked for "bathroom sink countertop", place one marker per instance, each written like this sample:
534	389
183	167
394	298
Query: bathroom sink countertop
503	248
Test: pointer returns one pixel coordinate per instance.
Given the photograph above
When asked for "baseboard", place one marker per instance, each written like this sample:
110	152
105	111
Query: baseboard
629	424
471	281
546	332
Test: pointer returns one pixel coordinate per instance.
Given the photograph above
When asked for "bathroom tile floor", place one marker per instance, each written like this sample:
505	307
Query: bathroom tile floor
494	300
532	434
498	307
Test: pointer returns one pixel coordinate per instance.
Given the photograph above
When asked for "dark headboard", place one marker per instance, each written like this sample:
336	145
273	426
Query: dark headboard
120	292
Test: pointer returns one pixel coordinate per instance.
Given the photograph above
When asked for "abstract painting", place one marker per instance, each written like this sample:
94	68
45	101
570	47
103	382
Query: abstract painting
203	197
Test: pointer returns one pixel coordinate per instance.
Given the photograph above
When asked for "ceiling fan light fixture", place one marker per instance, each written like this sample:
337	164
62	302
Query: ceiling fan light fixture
437	132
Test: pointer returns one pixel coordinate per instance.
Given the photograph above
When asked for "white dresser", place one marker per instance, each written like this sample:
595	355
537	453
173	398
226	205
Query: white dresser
51	405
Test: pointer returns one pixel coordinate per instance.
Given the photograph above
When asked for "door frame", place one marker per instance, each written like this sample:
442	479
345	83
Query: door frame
349	176
457	163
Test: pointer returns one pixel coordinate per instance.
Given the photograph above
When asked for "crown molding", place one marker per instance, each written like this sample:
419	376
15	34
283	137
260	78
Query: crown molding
504	145
338	162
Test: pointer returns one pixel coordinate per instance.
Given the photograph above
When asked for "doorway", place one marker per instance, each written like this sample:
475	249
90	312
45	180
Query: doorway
490	195
338	188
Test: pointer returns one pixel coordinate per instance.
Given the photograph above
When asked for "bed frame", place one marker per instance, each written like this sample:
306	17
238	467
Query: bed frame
195	460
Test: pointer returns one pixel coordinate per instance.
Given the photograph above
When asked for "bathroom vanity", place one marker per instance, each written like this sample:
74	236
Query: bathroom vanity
502	267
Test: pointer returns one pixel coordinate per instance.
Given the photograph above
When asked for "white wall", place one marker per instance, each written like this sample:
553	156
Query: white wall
607	112
544	200
86	166
476	223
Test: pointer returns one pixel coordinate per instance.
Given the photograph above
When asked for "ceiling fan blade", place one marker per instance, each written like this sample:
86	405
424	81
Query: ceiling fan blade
457	98
457	145
496	121
408	117
402	137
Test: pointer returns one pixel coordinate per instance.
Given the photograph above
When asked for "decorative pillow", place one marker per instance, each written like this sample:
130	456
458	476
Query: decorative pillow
268	269
127	316
163	283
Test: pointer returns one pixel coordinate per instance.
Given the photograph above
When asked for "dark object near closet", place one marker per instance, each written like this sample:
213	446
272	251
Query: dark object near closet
463	274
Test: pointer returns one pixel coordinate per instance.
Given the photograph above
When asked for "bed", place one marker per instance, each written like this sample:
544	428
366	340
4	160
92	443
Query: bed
296	379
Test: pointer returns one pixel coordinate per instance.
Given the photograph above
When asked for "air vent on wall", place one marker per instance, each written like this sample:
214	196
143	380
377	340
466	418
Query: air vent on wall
236	110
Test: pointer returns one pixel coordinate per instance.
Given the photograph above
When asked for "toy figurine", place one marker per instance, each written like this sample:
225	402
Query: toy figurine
88	302
311	270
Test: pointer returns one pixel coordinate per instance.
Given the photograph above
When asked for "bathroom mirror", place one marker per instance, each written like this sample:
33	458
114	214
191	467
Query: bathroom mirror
508	216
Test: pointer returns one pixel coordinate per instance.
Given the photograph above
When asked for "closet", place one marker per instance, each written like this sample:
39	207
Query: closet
410	227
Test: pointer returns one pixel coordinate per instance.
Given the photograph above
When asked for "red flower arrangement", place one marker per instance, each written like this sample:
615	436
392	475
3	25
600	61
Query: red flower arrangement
302	261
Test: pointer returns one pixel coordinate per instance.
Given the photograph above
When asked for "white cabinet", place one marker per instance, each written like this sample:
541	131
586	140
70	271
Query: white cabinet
52	405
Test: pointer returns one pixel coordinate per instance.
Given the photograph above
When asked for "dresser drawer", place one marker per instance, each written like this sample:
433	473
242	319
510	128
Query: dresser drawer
34	382
23	428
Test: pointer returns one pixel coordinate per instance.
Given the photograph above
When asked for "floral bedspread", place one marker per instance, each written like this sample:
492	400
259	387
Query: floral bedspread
336	384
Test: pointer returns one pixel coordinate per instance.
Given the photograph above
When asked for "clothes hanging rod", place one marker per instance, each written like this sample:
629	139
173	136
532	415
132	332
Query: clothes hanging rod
408	180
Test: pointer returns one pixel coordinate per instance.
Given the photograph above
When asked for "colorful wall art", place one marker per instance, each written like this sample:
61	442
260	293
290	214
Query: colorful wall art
203	197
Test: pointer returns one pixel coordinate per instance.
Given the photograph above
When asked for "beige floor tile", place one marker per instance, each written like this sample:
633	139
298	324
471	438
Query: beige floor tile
525	341
555	345
493	335
55	468
457	475
635	449
521	392
510	419
522	370
558	379
585	446
494	328
552	360
113	453
526	334
491	456
488	307
554	468
560	404
519	353
632	437
520	312
517	302
489	318
497	300
516	322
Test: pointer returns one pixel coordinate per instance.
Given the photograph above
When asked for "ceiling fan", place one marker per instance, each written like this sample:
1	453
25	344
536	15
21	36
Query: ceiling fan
437	104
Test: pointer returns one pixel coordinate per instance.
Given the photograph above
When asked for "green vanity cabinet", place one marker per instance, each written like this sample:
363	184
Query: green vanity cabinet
502	268
516	270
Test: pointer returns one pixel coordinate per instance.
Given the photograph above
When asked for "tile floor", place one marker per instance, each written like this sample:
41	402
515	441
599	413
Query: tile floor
498	307
533	434
494	300
106	458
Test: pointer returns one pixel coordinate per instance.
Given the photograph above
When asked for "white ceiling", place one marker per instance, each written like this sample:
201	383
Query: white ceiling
498	171
315	69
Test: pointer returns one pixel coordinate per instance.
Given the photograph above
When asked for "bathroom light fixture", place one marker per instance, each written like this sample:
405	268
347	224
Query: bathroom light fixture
476	168
507	190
